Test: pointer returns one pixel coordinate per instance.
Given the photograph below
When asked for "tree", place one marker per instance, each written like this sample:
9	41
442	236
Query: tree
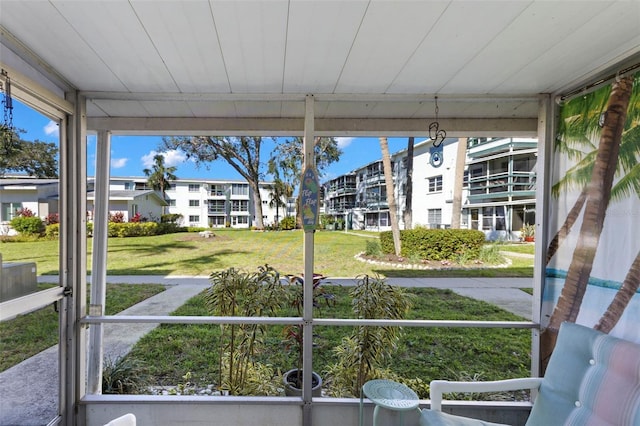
35	158
408	202
278	190
241	153
288	157
622	298
391	198
456	207
159	175
578	125
598	197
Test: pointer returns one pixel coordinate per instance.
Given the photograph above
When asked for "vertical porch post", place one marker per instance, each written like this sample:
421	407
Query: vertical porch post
73	258
307	342
99	261
546	112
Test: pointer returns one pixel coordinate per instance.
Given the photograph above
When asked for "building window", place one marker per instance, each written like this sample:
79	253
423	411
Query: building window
218	190
9	211
194	220
216	221
194	187
134	209
217	206
129	186
434	217
194	203
239	189
239	206
435	183
172	202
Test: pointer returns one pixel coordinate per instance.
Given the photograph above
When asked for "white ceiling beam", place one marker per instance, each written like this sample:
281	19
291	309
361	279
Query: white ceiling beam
319	97
457	127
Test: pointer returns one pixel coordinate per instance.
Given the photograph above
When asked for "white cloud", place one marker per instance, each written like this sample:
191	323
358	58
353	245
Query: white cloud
51	129
171	158
118	163
344	142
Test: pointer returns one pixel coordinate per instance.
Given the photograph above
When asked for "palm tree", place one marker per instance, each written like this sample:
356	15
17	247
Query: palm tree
277	191
408	203
621	300
578	125
159	175
391	199
598	197
456	207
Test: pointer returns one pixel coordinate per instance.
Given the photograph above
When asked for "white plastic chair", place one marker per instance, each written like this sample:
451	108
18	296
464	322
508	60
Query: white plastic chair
126	420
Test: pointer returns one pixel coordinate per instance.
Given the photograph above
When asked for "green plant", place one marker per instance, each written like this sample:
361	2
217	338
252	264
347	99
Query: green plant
52	231
365	354
373	248
171	218
249	294
528	231
28	225
288	223
435	244
491	254
124	376
294	333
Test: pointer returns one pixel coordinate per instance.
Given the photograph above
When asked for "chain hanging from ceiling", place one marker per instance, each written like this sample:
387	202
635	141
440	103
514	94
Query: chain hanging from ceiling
436	134
7	106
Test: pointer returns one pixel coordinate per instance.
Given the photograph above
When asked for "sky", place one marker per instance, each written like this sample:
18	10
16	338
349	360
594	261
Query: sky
130	155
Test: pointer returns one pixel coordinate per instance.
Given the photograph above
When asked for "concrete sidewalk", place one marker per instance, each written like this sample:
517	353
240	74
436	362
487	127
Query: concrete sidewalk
29	390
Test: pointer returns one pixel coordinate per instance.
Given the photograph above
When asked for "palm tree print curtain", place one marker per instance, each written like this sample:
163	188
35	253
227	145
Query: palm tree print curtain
593	258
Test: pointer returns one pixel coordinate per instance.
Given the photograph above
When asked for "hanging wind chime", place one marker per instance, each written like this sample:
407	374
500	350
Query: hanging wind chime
7	106
437	136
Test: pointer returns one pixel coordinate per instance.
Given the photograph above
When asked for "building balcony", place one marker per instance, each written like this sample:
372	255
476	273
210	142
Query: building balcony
500	145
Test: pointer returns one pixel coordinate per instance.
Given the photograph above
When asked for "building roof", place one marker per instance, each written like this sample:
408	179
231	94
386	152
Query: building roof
25	183
129	195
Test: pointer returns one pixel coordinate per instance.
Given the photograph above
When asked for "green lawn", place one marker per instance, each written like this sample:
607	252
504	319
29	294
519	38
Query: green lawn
189	254
171	351
34	332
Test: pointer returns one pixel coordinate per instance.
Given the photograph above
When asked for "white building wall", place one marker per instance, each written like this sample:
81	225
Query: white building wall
423	172
186	198
147	207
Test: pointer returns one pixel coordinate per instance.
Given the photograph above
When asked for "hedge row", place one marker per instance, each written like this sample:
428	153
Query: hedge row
124	229
435	244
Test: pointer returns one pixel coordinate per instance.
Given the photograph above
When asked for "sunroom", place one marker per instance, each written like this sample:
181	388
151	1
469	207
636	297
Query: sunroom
314	68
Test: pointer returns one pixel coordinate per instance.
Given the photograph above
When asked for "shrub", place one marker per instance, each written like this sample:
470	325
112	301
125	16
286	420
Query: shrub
170	228
436	244
288	223
52	232
171	218
373	248
52	218
132	229
137	218
29	225
196	228
117	217
25	212
123	376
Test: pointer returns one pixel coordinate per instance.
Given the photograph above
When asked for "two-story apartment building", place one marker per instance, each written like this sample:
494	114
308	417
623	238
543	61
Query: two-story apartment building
498	194
210	202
